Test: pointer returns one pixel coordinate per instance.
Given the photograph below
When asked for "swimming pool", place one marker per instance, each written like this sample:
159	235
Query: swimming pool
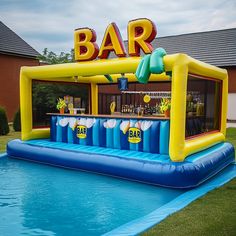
42	200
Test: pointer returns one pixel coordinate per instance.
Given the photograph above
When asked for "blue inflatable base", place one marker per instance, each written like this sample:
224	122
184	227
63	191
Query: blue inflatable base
133	165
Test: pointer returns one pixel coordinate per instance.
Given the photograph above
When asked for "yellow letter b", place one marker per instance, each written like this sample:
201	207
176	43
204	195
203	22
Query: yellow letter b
85	44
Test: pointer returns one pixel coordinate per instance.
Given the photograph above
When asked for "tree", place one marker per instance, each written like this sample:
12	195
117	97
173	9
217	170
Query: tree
50	57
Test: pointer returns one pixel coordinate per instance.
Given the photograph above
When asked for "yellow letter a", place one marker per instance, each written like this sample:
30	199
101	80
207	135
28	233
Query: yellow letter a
112	41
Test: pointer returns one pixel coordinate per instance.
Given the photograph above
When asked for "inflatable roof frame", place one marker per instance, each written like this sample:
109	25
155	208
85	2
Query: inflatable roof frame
92	72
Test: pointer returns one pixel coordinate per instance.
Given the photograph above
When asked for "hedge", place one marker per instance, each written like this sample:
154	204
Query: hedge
4	127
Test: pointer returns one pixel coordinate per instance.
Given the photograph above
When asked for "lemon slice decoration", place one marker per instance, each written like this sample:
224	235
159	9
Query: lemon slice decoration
146	98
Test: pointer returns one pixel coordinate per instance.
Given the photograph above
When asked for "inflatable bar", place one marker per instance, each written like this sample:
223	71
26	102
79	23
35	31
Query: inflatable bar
110	132
133	165
180	151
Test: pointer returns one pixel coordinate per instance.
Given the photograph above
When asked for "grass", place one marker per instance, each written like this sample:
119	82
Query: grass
213	214
6	138
231	136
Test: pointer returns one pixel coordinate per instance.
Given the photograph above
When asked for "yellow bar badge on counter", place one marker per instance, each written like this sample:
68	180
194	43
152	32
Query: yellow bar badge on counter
81	131
134	135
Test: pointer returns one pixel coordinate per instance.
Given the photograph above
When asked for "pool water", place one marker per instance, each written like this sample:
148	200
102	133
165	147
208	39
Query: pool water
42	200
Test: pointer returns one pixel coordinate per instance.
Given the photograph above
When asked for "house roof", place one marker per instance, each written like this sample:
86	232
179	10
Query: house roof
214	47
11	43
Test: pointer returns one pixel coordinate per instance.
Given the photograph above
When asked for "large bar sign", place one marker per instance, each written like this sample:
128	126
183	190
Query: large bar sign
141	32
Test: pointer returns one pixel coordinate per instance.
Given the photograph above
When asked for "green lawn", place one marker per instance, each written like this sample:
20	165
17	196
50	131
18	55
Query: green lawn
4	139
213	214
231	136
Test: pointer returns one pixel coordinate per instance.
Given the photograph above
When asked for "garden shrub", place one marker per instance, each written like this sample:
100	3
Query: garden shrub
4	127
17	122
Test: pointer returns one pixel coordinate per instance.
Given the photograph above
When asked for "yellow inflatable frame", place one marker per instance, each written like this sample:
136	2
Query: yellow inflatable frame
92	72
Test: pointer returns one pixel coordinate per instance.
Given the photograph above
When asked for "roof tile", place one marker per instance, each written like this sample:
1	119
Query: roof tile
11	43
214	47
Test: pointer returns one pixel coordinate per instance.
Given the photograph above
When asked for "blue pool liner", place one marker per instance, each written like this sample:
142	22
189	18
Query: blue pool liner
144	223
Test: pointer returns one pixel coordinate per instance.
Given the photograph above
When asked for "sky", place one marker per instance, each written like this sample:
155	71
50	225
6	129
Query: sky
51	23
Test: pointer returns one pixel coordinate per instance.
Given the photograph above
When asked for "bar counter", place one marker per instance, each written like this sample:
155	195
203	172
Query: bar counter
136	133
126	116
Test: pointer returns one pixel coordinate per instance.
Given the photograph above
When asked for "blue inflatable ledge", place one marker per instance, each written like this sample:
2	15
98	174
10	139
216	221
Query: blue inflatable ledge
133	165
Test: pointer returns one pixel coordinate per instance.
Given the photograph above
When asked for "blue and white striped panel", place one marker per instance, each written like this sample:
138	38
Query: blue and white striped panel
70	138
164	137
53	130
95	133
89	138
59	130
146	140
102	133
155	135
124	127
109	137
116	135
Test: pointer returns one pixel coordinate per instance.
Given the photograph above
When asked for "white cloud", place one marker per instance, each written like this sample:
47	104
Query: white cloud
50	24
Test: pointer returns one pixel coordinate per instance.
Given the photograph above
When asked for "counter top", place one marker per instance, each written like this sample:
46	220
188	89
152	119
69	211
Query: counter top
153	117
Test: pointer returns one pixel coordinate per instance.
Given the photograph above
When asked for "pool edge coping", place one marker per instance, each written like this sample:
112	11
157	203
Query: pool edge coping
3	154
144	223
